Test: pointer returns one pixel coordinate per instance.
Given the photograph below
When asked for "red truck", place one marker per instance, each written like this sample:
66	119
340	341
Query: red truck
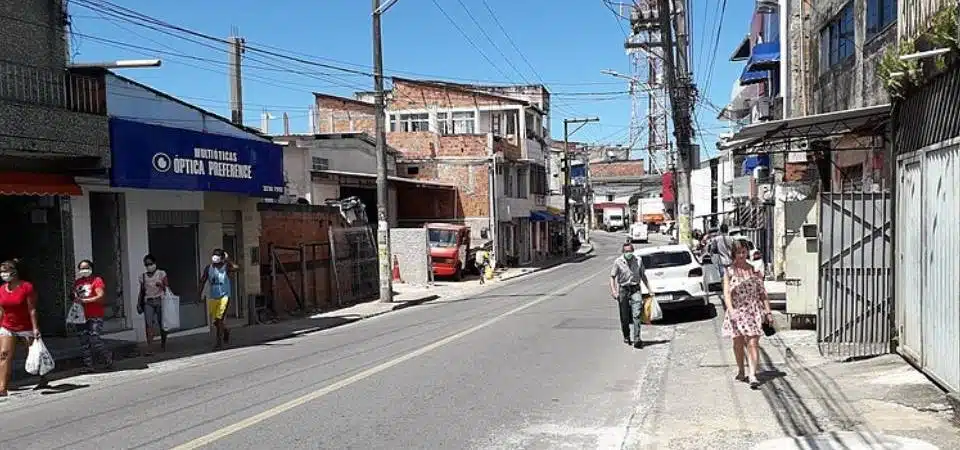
449	247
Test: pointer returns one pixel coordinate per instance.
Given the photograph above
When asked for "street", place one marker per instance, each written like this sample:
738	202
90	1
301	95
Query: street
537	363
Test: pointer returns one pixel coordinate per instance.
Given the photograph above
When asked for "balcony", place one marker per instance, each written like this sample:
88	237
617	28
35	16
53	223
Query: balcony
52	88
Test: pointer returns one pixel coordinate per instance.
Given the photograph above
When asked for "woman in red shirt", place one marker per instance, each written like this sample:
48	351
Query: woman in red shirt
19	303
89	291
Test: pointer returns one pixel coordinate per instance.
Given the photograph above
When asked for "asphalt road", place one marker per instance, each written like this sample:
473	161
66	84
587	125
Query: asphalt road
533	363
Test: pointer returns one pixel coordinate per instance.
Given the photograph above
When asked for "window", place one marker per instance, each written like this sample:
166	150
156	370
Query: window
538	180
522	183
661	260
410	122
511	120
442	238
837	39
413	170
496	124
508	182
880	13
318	163
459	122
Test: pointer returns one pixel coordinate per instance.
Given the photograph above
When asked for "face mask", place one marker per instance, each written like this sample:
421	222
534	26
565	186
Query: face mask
628	256
83	273
151	267
216	259
6	276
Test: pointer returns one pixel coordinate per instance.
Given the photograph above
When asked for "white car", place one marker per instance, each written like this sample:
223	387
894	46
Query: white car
675	277
639	232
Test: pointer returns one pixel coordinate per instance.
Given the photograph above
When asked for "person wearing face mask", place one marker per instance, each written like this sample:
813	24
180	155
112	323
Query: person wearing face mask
217	274
153	284
89	290
625	278
19	302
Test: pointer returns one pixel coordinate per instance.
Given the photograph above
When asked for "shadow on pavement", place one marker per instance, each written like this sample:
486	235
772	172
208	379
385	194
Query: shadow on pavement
697	314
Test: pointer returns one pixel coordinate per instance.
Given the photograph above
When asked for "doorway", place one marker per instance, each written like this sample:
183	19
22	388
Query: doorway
107	225
173	238
232	244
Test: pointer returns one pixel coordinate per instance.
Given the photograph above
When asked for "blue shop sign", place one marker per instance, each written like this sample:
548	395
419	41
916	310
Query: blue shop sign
147	156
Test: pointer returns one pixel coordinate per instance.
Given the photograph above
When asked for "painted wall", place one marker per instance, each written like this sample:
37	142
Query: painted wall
136	204
700	196
410	247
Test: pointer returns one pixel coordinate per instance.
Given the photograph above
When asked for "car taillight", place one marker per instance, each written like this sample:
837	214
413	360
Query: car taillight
698	272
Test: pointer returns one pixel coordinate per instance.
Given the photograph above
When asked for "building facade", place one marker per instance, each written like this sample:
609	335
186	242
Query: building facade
183	182
53	127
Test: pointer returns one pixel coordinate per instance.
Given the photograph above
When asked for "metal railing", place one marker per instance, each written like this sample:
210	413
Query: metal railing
53	88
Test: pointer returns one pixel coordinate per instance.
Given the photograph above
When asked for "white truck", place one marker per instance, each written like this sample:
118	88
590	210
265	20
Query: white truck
614	217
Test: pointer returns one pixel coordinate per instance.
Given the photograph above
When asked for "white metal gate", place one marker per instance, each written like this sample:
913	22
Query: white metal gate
927	248
855	314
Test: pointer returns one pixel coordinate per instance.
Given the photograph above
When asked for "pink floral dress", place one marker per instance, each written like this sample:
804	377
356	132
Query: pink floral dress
747	295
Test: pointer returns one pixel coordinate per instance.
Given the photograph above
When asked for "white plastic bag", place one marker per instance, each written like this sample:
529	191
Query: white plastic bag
651	309
39	360
76	316
171	311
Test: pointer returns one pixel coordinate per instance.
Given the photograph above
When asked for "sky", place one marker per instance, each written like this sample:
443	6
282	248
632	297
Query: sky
563	44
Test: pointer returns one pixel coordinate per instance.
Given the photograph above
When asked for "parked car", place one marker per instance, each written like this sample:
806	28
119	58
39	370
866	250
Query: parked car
675	277
639	233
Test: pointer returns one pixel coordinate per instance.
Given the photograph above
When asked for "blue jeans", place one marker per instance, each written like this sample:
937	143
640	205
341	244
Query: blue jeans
631	312
91	343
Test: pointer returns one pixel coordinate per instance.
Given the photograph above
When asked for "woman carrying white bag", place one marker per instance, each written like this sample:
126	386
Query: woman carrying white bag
18	300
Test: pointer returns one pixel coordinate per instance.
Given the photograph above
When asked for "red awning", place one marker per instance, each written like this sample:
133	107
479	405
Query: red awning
25	183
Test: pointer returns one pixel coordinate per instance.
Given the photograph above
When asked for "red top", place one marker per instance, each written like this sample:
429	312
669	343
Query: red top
16	313
85	288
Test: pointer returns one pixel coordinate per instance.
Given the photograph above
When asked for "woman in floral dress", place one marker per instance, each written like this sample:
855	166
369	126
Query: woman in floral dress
748	308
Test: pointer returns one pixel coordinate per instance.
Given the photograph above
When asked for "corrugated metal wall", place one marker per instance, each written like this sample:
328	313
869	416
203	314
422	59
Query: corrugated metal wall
929	255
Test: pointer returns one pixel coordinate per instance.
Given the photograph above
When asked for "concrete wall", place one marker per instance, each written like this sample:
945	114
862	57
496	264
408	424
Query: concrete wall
32	33
136	244
700	196
412	251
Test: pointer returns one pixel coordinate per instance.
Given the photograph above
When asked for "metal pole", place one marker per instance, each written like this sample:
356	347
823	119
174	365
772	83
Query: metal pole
589	198
566	188
383	199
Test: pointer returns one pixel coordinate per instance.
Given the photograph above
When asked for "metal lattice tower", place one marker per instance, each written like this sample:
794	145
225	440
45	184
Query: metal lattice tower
648	87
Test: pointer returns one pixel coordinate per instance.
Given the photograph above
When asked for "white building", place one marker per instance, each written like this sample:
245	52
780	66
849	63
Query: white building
183	182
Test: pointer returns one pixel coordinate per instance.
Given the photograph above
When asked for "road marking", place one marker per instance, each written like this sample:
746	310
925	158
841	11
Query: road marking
280	409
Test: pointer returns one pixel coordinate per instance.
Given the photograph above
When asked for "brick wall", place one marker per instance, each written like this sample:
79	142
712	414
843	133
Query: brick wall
410	95
509	151
293	226
616	169
425	144
417	205
341	115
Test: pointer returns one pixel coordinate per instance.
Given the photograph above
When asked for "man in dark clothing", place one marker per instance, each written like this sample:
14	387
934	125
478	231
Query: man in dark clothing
625	278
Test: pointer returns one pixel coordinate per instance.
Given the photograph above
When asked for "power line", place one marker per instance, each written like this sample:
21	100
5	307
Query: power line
495	46
510	40
470	41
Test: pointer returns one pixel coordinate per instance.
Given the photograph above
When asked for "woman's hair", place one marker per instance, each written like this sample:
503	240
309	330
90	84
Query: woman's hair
85	261
738	246
149	257
11	264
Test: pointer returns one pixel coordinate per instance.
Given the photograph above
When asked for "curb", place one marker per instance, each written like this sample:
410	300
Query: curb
572	259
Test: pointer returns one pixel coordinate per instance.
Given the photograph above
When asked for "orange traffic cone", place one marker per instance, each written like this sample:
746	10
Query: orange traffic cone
396	269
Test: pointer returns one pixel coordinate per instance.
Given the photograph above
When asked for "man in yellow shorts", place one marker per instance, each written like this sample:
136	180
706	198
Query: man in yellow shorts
217	274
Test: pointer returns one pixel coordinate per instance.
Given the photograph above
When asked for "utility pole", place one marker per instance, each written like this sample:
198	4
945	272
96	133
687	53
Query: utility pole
236	84
680	84
383	224
568	248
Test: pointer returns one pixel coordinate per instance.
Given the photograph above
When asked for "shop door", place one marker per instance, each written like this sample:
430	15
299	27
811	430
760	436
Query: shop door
174	240
232	245
107	238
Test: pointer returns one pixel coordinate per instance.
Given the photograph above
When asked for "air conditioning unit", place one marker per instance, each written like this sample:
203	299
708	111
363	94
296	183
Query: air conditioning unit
761	110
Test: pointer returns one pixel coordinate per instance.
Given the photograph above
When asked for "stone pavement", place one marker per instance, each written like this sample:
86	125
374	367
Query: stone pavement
806	401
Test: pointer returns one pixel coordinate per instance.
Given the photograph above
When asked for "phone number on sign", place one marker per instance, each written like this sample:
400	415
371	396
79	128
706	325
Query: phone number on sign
273	189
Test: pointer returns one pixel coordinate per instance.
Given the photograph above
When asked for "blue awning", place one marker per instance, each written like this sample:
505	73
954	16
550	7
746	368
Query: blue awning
765	56
753	76
541	216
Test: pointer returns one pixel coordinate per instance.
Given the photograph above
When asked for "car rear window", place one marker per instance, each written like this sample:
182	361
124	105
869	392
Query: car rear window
665	259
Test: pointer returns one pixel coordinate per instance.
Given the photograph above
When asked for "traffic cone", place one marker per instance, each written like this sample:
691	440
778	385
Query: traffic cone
396	269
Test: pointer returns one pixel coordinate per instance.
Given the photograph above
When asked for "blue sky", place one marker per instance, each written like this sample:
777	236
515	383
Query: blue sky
564	43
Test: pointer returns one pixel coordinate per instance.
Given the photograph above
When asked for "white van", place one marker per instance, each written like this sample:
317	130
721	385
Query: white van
639	232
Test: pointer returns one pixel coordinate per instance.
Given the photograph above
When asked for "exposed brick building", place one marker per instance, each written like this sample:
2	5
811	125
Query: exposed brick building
456	133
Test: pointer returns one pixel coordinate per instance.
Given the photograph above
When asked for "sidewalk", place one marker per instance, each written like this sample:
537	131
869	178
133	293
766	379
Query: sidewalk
66	351
806	400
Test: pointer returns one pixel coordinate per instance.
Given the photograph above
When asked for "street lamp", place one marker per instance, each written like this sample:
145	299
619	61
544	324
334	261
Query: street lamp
121	64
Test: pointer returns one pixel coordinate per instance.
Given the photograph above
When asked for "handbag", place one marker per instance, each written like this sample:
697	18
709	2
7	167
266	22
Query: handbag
76	315
768	328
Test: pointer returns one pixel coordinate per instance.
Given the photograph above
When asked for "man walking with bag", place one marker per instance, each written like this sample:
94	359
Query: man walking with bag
625	278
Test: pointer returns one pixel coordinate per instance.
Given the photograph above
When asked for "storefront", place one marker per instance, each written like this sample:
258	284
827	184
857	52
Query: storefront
175	193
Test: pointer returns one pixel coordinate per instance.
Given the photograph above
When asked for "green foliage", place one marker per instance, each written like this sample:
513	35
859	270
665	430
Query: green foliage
943	33
899	76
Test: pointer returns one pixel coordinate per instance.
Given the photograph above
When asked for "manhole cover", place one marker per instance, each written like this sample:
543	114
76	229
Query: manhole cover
846	440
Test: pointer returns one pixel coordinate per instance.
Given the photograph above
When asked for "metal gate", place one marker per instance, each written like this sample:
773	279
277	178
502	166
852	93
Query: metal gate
855	313
355	265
